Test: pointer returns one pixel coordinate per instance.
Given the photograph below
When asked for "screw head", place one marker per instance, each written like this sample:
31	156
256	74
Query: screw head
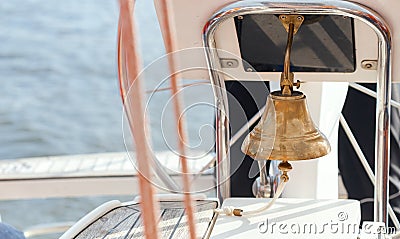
369	64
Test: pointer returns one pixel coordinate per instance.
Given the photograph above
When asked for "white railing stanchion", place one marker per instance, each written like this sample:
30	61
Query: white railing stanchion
371	93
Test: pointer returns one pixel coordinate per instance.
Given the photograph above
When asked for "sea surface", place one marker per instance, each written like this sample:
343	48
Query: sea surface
59	92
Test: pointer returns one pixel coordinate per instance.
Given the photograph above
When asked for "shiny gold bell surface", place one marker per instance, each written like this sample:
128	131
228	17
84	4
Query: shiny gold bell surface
286	131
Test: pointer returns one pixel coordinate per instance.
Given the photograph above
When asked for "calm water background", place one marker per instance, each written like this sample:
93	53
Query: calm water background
59	91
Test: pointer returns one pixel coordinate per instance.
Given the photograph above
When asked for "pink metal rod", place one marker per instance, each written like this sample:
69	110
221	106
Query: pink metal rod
128	78
182	137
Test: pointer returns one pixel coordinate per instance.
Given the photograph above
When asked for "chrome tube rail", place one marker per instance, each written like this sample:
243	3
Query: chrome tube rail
342	8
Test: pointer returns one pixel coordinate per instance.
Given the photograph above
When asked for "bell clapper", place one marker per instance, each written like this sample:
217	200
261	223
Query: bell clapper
285	167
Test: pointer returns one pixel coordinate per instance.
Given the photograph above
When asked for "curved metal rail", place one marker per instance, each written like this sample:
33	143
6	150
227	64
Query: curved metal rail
342	8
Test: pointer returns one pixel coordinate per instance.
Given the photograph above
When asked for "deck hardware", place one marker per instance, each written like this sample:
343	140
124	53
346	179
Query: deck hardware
229	63
296	20
369	64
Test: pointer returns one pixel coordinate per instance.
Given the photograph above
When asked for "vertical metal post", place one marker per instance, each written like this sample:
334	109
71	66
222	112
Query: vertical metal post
382	135
222	133
222	150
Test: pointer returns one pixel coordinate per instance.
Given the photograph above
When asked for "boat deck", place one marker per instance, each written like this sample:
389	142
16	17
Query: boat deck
125	221
81	175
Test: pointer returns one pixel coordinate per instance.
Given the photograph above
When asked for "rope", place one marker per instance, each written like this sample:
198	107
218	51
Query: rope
232	211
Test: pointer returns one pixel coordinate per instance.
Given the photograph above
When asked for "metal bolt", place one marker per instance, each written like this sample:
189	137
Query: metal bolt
240	17
369	64
300	18
229	63
283	17
249	69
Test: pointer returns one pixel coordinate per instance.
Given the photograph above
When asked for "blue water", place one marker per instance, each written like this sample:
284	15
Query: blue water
59	88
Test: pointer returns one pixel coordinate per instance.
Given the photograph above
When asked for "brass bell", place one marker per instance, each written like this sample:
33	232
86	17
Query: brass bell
286	131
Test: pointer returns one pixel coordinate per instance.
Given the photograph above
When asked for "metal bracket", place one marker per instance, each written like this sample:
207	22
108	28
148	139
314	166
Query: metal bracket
297	20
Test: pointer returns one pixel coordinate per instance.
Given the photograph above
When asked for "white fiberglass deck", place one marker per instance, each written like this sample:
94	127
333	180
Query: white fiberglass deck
291	218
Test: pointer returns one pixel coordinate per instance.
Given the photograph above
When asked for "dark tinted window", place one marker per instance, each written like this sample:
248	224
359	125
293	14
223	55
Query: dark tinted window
322	44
